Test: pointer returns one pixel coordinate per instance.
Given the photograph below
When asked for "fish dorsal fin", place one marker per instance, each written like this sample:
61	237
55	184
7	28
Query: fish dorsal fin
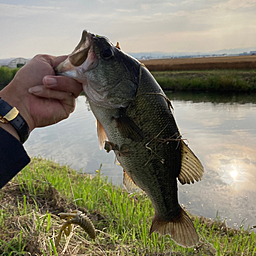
118	46
127	127
191	167
102	136
129	184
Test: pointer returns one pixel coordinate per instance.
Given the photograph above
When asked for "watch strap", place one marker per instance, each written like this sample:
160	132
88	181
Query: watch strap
9	114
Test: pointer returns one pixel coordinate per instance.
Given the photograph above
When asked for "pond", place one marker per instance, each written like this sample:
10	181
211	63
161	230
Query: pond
220	129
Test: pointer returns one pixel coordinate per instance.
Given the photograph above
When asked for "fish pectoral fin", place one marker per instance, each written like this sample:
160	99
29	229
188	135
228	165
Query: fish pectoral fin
102	136
129	184
191	167
110	146
127	127
181	230
117	162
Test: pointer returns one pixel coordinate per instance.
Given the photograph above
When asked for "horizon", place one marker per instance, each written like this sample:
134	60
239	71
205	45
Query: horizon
153	54
55	27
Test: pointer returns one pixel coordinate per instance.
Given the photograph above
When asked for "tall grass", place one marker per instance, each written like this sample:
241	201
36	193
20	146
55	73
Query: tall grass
34	198
211	81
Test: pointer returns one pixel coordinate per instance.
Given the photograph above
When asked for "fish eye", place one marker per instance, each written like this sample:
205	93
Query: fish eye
106	53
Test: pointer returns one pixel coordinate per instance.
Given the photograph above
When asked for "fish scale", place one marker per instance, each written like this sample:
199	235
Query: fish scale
157	157
135	120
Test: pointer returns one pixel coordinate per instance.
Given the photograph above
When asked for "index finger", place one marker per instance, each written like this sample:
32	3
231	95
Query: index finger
65	84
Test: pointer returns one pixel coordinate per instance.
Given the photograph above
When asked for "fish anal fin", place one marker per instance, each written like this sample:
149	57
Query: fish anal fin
129	184
127	127
181	230
191	167
102	136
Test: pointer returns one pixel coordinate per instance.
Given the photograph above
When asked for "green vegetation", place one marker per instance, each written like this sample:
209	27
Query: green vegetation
6	75
29	223
212	81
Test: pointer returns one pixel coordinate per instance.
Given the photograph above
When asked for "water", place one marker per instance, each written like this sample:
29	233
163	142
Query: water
220	129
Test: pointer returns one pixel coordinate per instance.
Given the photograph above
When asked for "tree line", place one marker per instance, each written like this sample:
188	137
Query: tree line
6	75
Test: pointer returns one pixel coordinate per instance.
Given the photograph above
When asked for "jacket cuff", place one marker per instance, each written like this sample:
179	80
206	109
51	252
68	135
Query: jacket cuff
13	157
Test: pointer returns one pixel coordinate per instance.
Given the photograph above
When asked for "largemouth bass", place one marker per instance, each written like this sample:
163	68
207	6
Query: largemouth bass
135	120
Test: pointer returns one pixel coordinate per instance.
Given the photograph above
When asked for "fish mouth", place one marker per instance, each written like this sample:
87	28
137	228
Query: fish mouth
80	54
82	59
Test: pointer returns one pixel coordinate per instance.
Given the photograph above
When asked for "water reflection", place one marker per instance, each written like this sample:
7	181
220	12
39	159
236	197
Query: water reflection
215	98
223	136
74	142
220	129
237	171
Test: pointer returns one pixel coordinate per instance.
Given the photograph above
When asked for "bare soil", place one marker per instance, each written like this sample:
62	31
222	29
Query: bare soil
208	63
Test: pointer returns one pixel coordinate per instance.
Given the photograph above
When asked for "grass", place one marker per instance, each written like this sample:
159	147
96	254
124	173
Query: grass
211	81
215	80
31	202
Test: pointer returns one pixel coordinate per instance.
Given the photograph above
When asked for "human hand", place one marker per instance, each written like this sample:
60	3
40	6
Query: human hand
41	97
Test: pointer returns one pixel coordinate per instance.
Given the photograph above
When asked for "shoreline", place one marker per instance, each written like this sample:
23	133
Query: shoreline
43	189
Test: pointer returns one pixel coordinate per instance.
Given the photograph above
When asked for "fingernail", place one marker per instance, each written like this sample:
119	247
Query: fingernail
35	89
50	81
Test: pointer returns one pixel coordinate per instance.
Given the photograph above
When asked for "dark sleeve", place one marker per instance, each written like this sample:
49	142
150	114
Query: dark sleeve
13	157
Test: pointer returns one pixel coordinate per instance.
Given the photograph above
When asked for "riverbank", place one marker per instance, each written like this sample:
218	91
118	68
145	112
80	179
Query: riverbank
219	74
31	202
208	80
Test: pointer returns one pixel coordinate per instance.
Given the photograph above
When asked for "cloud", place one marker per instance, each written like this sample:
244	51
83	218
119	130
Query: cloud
228	160
236	4
156	5
145	25
8	10
126	10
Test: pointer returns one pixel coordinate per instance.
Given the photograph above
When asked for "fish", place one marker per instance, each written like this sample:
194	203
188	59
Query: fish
135	120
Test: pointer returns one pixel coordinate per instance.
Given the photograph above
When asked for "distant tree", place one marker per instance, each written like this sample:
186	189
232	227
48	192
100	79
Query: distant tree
19	65
6	75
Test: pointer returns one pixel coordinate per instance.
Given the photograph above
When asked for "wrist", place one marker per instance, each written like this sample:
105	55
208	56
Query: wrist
16	98
10	116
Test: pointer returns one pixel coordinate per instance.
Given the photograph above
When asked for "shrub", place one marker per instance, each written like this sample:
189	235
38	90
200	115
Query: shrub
6	75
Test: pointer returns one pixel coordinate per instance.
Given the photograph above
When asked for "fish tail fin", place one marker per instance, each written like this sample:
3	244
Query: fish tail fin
181	230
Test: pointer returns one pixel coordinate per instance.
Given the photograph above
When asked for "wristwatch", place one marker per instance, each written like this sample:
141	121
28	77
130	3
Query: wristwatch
9	114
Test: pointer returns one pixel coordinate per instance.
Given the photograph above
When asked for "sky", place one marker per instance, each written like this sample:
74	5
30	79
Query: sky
30	27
